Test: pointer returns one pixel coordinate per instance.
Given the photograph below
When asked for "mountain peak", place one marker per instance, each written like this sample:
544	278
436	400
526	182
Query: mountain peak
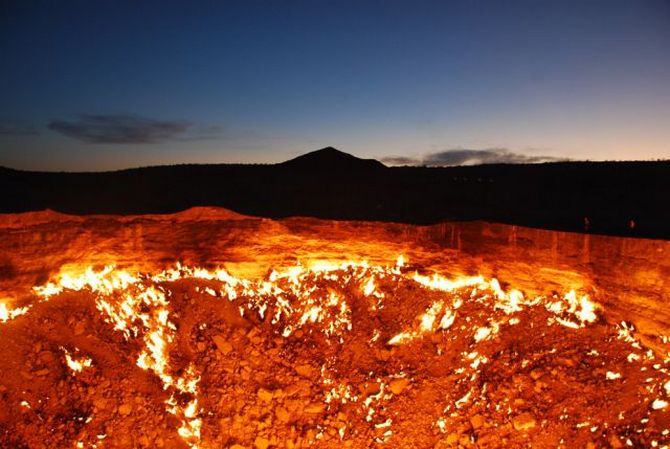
331	159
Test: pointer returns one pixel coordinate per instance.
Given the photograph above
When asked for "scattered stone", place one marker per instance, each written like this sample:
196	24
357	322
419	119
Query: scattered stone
125	409
222	344
398	385
453	438
305	371
523	422
100	403
314	408
265	395
370	388
46	356
282	414
261	443
477	421
615	442
80	327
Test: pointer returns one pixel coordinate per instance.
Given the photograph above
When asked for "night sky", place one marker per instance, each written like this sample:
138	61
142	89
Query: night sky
96	85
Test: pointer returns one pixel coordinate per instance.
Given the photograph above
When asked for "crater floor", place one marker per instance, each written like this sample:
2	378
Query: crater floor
208	330
350	355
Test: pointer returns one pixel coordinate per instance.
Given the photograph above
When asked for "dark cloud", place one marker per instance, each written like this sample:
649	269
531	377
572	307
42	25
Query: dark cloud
9	128
460	156
120	129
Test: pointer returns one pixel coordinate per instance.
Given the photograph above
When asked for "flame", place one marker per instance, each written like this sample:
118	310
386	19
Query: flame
659	404
510	302
78	364
583	309
137	306
7	314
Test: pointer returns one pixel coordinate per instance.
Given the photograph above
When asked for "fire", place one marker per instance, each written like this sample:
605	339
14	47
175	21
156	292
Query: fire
76	364
7	314
319	298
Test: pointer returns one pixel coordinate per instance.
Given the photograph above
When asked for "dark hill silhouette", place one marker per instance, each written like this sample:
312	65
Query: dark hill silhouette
331	159
334	185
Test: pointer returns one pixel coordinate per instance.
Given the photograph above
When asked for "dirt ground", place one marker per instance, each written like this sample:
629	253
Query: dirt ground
354	356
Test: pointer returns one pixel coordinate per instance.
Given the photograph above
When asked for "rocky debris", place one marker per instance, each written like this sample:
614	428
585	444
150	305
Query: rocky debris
264	395
306	371
125	409
523	422
477	421
222	344
261	443
398	385
615	442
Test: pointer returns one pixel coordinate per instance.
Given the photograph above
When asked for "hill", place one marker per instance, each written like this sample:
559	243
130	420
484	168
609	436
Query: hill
334	185
331	159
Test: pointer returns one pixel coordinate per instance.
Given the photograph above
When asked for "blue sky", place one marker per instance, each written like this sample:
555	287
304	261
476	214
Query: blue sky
112	84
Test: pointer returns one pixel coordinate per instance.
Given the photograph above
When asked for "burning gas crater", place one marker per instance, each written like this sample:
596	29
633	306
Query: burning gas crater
334	355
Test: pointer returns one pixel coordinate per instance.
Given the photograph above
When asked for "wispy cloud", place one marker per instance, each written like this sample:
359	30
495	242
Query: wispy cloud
11	128
462	156
202	133
401	160
121	129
